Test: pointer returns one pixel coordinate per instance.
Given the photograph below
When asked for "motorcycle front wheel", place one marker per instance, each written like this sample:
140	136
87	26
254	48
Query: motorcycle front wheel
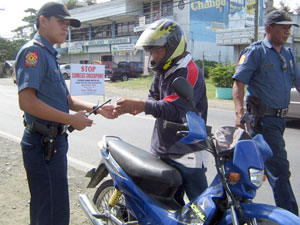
255	221
119	211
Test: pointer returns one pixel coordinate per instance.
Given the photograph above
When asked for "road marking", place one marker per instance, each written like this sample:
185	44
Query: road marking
78	164
140	116
10	137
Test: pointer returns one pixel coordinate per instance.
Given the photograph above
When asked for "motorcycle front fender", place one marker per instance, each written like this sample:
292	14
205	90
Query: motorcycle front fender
97	175
276	214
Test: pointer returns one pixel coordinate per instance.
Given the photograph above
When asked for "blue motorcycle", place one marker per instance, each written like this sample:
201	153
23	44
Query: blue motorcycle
141	187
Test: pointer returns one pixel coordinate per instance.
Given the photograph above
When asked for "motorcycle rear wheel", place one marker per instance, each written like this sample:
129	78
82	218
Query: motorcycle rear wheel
101	199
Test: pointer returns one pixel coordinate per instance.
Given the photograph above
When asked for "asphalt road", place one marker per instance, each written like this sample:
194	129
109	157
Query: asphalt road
84	153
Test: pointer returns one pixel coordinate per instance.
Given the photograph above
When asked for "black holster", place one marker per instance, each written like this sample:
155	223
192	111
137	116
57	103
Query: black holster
255	107
49	136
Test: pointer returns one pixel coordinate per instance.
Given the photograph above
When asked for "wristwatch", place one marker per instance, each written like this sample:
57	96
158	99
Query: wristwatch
94	107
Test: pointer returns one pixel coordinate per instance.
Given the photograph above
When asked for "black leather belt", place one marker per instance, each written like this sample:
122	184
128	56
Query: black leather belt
282	113
43	129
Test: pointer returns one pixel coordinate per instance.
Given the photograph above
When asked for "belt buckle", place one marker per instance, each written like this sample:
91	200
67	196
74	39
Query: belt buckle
282	112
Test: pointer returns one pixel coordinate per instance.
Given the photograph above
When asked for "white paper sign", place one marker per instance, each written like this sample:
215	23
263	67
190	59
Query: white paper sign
87	79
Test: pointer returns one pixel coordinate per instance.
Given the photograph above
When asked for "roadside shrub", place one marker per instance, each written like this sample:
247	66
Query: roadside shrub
207	65
221	75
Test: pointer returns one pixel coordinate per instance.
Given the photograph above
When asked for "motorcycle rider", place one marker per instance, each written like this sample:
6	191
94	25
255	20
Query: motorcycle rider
165	41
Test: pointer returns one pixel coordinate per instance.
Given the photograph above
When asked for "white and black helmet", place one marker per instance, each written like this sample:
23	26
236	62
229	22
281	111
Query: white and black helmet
163	33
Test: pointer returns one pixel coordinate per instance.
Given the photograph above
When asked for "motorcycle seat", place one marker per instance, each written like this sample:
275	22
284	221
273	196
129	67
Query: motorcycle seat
148	172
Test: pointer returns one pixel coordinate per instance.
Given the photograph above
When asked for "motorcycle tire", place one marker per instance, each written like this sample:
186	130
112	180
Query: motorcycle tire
260	221
101	199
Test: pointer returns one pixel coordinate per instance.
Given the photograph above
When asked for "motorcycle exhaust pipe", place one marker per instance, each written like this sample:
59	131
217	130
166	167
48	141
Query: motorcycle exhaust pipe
89	209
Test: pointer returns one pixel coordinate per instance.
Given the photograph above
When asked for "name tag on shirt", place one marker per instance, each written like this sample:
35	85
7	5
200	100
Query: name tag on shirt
269	66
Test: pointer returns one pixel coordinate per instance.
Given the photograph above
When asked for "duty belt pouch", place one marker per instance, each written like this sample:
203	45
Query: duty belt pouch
255	107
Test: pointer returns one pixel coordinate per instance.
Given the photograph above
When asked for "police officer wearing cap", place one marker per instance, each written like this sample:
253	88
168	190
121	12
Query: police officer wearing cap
269	71
45	100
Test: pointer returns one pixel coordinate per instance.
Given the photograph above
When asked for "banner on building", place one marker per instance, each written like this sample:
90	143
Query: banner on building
87	79
75	49
205	17
124	47
250	12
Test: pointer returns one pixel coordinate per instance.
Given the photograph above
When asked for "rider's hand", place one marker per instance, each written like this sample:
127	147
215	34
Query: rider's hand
107	111
129	105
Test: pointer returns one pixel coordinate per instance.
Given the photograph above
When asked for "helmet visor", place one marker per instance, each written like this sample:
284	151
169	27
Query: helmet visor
155	36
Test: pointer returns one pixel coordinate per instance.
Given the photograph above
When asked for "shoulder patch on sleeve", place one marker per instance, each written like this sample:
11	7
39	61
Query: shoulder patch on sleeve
31	58
242	59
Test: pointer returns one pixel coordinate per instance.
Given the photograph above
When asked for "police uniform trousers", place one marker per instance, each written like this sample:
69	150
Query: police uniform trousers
277	168
47	181
194	181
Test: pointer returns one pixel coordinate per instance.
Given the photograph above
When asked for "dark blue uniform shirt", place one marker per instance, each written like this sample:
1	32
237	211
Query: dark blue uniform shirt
37	67
263	71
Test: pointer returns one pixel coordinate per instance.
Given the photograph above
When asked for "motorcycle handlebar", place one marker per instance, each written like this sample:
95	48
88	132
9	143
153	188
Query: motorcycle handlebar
175	126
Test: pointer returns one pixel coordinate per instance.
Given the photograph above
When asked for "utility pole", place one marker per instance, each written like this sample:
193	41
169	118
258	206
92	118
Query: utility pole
256	21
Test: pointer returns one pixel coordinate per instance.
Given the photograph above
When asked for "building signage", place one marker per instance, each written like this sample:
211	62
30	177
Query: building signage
107	41
206	16
209	15
126	47
75	49
87	79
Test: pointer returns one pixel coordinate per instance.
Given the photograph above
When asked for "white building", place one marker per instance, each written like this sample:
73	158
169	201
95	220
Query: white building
215	29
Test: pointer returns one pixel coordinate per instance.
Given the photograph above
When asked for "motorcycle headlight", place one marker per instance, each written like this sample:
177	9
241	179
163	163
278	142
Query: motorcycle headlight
256	176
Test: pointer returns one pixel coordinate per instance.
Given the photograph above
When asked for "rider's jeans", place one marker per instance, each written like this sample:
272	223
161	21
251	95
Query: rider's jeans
277	168
48	184
194	181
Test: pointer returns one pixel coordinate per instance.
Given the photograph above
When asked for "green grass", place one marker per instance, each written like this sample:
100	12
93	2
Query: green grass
141	83
144	82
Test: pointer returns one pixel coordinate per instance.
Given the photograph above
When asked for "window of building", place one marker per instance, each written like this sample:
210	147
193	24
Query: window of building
103	31
125	29
80	34
167	8
147	12
154	10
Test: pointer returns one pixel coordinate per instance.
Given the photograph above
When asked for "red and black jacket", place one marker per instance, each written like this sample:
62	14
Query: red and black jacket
164	104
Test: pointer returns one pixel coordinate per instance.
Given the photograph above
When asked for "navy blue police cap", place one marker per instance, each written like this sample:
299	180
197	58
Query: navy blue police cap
58	10
279	17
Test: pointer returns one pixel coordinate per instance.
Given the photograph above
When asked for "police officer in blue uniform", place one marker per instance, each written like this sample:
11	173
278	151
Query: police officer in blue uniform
269	71
45	100
165	41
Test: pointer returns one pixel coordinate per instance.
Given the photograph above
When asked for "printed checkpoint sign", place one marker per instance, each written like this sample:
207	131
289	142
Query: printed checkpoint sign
87	79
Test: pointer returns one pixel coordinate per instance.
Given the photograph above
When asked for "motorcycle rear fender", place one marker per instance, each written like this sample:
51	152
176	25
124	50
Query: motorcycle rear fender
254	210
97	175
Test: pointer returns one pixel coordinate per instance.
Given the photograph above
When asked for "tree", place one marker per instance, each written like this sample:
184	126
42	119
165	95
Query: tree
28	30
90	2
9	48
297	10
72	4
284	6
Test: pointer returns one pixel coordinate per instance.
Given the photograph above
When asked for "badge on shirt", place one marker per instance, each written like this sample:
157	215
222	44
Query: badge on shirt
292	65
242	59
31	59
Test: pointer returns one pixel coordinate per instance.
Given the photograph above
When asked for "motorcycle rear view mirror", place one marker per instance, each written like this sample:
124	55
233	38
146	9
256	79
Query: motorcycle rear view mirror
184	90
